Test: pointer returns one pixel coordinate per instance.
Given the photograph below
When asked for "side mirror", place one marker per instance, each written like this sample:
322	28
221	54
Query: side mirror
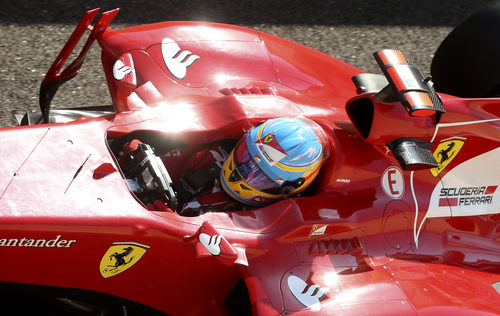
408	84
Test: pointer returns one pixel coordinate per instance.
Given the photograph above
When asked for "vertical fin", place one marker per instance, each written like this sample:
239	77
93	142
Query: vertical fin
54	77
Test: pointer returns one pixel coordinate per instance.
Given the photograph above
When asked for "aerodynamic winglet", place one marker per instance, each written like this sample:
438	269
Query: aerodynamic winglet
210	243
54	77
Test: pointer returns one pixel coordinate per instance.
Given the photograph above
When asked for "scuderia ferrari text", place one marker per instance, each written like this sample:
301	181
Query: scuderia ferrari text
40	243
469	195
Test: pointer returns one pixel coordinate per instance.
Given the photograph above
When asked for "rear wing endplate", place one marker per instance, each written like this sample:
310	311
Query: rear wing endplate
55	77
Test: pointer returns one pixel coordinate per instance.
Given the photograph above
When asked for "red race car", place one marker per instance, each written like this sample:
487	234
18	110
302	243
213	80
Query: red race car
241	173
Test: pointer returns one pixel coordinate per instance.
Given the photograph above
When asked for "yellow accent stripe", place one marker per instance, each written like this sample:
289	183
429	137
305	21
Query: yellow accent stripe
298	169
259	132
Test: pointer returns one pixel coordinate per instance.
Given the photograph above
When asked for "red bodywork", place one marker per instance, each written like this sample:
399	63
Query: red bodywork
366	238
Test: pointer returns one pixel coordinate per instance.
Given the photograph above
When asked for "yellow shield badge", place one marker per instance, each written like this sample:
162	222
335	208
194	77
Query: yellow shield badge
446	151
120	257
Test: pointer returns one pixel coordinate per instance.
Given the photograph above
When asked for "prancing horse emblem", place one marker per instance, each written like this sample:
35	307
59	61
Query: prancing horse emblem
120	257
446	151
445	154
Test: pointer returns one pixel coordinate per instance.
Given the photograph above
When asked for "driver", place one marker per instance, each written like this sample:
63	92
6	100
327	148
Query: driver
278	158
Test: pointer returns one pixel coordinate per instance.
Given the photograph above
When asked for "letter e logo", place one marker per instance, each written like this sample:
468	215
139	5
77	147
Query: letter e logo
393	182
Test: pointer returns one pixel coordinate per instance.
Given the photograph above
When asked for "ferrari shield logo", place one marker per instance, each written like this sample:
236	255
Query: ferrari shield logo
317	230
270	149
268	138
446	151
120	257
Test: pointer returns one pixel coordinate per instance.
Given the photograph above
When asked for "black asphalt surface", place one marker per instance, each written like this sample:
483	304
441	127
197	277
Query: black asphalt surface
32	32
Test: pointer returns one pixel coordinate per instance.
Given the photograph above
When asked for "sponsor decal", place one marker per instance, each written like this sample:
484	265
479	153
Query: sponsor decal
446	151
123	70
318	230
469	189
463	196
342	180
120	257
266	155
268	138
120	70
270	149
57	242
307	295
177	61
393	183
211	243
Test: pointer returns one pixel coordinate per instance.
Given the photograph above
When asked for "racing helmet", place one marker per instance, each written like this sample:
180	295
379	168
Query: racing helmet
278	158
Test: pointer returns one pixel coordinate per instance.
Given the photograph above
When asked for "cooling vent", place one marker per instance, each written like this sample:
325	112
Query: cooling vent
336	247
258	91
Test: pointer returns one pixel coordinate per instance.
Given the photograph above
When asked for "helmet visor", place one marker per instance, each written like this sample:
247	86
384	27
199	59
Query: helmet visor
248	170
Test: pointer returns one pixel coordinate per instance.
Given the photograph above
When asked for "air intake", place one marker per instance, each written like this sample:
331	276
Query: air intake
336	247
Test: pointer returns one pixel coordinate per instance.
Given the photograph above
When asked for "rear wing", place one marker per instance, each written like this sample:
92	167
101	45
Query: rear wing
55	77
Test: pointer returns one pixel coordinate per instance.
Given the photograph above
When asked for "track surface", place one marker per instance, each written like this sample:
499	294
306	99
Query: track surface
32	33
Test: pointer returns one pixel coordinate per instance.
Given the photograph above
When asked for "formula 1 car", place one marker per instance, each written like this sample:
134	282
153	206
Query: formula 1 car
403	219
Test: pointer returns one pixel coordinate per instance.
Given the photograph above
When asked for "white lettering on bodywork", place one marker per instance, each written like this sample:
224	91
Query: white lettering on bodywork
469	189
56	242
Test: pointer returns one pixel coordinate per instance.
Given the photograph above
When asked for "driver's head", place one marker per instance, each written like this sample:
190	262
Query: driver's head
277	158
